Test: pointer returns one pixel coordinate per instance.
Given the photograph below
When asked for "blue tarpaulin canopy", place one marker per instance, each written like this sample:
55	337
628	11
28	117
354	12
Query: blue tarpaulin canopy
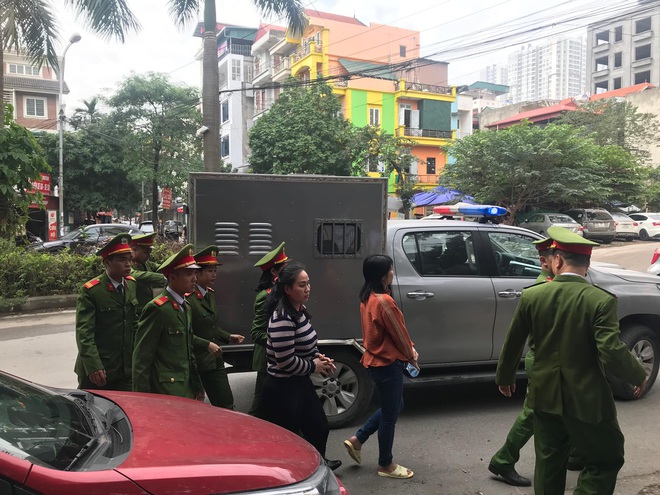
439	196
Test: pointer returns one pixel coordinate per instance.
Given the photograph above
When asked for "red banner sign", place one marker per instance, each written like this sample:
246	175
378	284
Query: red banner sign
43	185
52	225
167	198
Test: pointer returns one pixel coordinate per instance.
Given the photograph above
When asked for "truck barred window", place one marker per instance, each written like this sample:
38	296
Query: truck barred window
338	238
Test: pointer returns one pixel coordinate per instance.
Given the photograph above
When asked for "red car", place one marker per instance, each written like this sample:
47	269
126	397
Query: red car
67	442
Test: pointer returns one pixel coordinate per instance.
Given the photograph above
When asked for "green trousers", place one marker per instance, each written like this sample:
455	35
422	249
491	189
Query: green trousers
521	431
216	386
600	446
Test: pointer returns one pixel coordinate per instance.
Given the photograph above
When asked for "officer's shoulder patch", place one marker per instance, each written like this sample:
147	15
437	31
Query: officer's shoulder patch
210	289
130	278
606	291
92	283
187	294
159	301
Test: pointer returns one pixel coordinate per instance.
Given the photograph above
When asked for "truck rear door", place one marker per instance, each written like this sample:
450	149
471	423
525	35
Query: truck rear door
448	303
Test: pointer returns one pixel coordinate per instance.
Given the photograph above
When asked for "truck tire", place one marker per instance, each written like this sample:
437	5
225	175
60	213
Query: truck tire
643	343
346	393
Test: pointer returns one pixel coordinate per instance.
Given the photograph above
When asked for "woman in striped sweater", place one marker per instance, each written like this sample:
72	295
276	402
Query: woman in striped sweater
289	398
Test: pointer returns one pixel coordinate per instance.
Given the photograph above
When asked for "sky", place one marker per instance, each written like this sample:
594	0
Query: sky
95	66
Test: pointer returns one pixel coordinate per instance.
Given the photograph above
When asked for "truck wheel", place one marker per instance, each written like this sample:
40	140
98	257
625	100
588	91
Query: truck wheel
643	343
347	392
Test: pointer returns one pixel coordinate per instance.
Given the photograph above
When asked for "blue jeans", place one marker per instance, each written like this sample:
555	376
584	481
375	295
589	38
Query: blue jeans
389	383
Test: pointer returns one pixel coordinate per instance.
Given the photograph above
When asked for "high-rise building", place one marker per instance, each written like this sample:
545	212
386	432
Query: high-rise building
623	50
496	74
554	71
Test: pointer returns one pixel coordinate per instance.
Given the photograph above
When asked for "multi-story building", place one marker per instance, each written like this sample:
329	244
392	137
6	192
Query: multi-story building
555	70
624	50
377	74
236	69
496	74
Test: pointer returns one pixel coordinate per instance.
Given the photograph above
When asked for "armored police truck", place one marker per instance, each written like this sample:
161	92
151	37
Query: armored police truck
457	282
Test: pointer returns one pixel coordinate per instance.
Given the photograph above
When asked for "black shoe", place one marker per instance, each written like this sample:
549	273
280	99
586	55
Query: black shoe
333	464
511	477
575	465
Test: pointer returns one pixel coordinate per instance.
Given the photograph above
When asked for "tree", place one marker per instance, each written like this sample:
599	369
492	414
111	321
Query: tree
158	121
95	170
21	162
30	26
612	122
303	133
528	165
88	114
184	11
376	149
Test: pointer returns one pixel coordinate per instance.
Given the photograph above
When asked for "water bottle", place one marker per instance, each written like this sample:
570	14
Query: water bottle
412	371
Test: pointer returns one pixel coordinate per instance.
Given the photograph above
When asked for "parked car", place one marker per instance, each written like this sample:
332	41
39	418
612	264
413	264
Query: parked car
597	224
67	442
649	225
655	263
27	239
173	229
539	222
90	235
147	227
626	227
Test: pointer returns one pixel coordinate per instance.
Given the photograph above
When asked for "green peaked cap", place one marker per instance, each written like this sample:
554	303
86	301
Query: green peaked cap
274	257
565	240
183	259
118	244
208	256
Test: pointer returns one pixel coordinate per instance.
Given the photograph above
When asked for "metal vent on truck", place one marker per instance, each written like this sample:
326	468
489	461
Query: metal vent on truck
226	238
260	238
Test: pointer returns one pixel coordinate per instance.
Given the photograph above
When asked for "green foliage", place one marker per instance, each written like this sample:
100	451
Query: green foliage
20	162
527	165
303	133
612	122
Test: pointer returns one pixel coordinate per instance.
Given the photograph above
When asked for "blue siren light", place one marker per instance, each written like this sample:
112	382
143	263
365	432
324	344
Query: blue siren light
467	209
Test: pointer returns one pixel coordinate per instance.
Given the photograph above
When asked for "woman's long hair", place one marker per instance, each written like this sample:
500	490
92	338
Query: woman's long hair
266	281
374	268
278	300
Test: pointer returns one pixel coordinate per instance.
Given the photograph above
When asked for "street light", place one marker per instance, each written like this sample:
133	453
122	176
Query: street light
75	38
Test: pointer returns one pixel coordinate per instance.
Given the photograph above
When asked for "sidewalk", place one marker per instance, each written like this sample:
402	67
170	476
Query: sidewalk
41	303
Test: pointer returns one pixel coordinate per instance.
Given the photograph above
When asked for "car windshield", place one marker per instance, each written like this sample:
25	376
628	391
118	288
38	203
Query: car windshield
81	232
42	427
622	217
598	215
147	228
561	219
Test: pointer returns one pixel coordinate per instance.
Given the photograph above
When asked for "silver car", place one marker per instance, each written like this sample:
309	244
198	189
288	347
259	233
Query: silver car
539	222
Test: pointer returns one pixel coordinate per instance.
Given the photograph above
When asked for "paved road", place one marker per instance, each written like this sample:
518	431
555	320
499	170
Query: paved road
446	434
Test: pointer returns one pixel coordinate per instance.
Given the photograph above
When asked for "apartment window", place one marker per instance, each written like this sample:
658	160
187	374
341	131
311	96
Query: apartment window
224	108
616	83
602	38
601	87
27	70
224	146
430	166
602	63
374	116
249	73
642	52
402	50
617	60
236	70
643	25
618	34
35	107
642	77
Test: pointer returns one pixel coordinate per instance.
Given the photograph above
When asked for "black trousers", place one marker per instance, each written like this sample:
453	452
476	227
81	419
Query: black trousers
293	404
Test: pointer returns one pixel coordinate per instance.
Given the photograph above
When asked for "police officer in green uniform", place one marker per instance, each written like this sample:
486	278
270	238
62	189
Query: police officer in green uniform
503	462
145	272
163	360
208	334
270	266
575	329
106	318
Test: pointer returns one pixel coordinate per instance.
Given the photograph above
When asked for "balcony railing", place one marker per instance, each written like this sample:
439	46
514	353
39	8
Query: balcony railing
428	133
341	83
423	179
261	69
306	49
245	50
262	105
284	64
428	88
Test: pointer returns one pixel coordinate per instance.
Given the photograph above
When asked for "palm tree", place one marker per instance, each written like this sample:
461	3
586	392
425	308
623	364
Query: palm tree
183	12
29	26
88	114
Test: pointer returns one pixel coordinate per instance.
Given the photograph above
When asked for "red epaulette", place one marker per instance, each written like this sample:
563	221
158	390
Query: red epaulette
268	290
129	278
187	294
92	283
161	300
199	295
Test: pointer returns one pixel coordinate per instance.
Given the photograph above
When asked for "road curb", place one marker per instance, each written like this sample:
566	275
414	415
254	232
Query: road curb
38	303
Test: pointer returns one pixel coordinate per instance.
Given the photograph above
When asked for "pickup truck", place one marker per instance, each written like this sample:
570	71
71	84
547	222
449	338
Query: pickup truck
457	282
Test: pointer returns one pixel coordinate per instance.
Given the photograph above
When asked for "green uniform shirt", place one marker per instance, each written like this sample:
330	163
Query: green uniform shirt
259	331
147	280
205	329
163	360
105	328
576	336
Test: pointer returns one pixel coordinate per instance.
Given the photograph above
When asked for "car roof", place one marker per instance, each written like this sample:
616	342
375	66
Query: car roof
453	223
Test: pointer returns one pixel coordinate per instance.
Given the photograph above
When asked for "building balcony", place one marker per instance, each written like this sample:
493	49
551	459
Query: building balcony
641	62
262	106
307	49
642	36
282	69
235	49
424	133
269	40
261	71
427	179
426	88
